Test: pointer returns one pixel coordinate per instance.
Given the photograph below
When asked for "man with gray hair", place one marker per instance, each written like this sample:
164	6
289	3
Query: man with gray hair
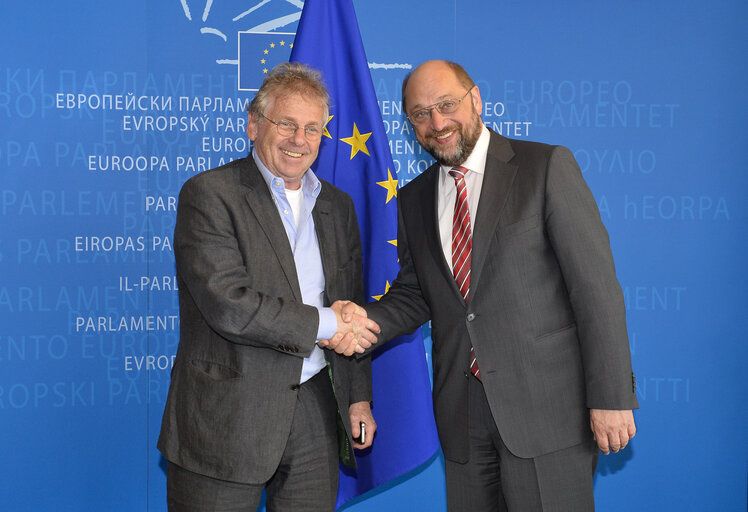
263	248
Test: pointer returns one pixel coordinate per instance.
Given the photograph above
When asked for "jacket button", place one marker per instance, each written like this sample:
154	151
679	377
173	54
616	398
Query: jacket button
466	374
295	387
471	317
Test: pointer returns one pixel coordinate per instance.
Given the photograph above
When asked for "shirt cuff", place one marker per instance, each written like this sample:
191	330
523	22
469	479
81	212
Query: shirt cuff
328	324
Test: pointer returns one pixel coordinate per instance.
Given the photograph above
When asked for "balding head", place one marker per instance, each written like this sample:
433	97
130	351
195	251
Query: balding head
432	68
443	105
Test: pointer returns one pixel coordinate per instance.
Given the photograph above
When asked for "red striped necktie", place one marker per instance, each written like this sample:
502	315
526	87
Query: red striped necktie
462	247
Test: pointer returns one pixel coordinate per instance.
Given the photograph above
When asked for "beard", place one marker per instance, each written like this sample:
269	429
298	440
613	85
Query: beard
466	142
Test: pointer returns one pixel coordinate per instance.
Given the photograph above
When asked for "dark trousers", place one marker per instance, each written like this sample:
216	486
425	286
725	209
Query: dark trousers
495	480
306	479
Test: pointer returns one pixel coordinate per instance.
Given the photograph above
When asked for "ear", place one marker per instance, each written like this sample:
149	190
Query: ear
251	127
477	103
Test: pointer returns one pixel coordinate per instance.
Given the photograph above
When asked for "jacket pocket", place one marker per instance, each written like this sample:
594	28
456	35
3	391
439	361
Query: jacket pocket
213	370
556	332
517	228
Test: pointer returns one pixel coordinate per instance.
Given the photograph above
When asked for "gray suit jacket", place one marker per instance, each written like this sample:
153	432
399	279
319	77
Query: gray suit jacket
545	313
244	330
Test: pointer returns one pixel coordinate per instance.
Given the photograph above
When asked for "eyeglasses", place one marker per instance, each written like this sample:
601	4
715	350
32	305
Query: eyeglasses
448	106
288	128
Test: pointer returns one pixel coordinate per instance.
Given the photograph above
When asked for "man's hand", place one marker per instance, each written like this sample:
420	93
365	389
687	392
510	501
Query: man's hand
349	309
361	412
342	343
612	429
354	335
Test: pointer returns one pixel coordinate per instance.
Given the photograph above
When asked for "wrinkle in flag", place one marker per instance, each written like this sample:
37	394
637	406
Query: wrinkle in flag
355	156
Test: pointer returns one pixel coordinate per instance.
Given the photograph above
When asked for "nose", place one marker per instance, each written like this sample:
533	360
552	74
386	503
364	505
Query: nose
438	121
298	137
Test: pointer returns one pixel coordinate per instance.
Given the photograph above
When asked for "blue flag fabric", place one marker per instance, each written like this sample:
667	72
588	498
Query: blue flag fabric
355	156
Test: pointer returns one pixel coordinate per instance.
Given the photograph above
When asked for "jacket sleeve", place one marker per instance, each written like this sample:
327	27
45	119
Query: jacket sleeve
582	248
403	309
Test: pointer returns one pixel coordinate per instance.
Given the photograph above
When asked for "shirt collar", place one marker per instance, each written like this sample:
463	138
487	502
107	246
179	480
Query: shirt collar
476	161
310	184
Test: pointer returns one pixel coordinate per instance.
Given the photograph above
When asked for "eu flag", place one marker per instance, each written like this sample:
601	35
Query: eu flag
259	52
355	156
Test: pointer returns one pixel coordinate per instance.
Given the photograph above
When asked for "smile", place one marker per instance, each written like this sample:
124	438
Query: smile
291	153
445	135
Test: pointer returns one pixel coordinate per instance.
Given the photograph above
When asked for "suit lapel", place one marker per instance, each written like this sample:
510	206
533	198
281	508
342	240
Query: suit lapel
261	203
497	182
429	199
324	225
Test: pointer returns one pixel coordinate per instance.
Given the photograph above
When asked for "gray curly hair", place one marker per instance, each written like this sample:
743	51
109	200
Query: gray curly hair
289	78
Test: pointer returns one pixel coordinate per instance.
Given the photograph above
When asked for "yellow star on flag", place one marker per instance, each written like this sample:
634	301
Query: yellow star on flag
272	45
265	70
394	242
283	43
265	52
357	141
262	61
386	289
390	184
325	131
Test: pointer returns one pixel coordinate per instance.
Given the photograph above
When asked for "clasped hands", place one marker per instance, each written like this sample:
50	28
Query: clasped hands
356	332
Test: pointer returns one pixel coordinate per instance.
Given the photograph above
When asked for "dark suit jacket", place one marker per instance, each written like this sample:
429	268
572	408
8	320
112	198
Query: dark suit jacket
545	312
244	330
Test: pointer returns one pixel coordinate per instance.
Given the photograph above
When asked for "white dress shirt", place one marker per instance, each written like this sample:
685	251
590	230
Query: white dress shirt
476	164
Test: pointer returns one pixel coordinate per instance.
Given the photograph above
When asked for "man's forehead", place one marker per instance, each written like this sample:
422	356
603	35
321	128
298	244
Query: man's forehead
423	90
295	106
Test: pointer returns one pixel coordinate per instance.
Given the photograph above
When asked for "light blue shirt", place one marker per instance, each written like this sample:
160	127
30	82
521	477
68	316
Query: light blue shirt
305	248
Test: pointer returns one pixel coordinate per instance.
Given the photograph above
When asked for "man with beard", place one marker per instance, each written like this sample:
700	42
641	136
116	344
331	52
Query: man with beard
502	247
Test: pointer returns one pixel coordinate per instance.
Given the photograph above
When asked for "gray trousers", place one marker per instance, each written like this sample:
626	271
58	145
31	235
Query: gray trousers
495	480
306	479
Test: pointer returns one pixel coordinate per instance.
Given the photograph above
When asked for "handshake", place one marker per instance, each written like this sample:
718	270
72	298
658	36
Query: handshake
356	332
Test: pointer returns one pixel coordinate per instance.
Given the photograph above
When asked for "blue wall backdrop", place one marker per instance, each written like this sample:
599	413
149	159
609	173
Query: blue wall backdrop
106	108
